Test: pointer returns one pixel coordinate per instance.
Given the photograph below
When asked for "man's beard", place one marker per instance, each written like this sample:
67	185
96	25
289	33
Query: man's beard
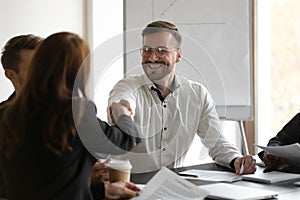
156	71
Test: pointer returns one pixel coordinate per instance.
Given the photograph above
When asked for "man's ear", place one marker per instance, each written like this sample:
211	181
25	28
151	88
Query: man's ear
179	54
11	75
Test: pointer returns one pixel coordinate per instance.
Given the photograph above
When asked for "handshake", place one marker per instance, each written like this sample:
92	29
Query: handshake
118	109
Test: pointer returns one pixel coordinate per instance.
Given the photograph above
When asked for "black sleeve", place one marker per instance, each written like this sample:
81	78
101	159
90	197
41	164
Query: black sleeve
3	190
99	137
124	134
289	134
2	185
98	190
231	164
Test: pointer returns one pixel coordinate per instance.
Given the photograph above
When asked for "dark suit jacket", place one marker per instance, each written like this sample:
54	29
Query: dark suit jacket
35	173
2	180
289	134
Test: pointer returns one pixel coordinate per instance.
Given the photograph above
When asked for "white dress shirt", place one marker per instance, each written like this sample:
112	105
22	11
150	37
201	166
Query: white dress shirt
167	127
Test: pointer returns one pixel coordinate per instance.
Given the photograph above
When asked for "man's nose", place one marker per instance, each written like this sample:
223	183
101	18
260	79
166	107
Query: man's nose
153	56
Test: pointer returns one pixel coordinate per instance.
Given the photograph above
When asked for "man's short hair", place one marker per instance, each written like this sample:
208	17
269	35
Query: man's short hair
163	26
11	51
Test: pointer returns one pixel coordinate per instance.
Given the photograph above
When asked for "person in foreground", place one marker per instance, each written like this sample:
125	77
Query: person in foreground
169	110
289	134
43	130
16	56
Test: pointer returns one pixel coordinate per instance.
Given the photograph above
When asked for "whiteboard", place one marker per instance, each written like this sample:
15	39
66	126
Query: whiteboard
216	45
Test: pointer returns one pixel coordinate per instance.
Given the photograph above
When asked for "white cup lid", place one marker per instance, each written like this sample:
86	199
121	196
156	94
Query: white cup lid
119	164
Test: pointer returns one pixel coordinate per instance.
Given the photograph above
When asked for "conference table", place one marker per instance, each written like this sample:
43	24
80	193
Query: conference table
287	190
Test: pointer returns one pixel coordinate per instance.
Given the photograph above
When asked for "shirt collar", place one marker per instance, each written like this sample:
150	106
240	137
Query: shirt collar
149	83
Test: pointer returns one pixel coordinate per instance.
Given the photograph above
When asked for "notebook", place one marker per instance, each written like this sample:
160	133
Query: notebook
271	177
232	192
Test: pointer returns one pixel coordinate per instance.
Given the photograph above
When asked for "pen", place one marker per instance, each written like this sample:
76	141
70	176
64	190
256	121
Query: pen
188	175
242	168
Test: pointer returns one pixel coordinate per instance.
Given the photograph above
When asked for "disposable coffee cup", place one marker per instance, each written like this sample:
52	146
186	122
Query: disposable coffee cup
119	170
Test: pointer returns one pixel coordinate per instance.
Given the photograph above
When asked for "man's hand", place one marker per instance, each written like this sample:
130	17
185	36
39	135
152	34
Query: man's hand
274	162
245	165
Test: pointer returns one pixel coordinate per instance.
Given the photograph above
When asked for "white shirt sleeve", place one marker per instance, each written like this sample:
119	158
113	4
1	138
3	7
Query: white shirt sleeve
210	132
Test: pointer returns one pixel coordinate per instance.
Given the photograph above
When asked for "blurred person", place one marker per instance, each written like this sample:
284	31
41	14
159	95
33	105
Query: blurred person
43	130
16	56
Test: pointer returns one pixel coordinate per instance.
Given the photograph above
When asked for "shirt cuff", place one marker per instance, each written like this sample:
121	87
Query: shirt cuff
232	163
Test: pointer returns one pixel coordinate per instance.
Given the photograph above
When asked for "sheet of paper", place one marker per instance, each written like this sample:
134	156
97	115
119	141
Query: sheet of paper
271	177
210	175
232	192
290	152
141	186
167	185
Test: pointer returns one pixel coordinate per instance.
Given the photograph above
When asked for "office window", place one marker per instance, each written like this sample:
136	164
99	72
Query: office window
285	61
278	68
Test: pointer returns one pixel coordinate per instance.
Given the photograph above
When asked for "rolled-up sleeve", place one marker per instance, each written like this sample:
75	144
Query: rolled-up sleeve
220	149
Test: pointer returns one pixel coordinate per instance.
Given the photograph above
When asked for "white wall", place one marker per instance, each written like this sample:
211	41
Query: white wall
263	74
39	17
107	41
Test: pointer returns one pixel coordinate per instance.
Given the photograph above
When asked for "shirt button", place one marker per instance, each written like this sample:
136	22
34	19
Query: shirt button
165	105
165	128
164	149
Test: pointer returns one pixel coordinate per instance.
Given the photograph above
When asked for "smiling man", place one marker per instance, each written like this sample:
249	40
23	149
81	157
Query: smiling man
169	109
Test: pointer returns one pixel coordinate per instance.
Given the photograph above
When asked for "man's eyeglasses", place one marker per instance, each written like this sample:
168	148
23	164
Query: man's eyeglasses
159	52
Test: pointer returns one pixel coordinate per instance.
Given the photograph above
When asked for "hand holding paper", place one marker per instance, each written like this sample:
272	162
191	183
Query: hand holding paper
288	152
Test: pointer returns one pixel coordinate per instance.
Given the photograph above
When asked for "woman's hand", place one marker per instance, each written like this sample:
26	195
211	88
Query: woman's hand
118	190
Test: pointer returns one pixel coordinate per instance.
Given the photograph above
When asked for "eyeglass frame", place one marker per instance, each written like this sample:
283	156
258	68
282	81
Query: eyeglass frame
159	51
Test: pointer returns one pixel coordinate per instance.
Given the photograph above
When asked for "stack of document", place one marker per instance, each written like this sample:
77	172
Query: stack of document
271	177
236	192
210	175
167	185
